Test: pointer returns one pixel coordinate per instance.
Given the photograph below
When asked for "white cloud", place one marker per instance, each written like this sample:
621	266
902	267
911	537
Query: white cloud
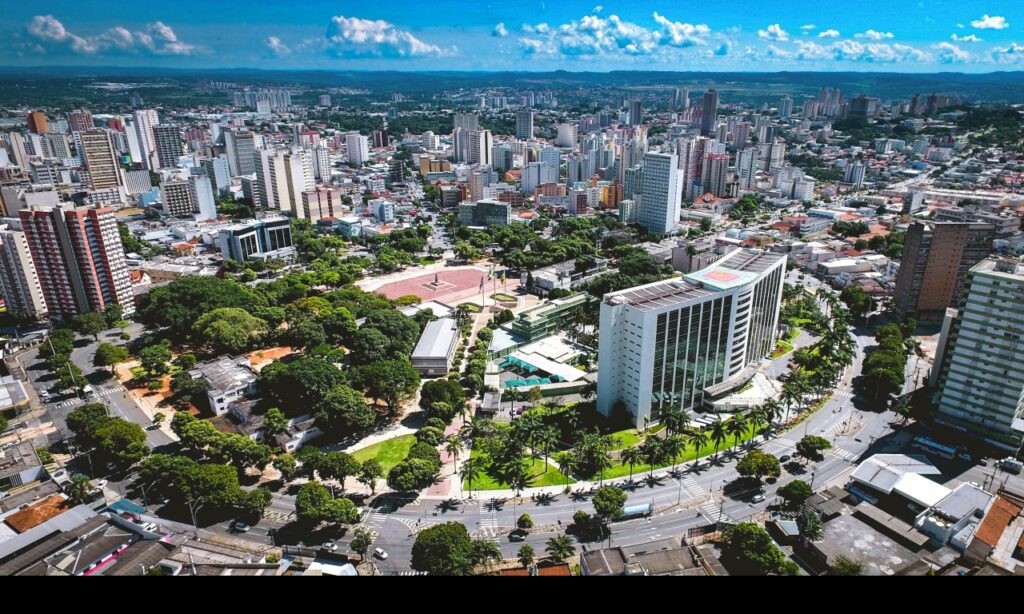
830	33
809	27
970	38
883	53
990	23
277	47
1011	54
156	38
500	30
678	34
949	53
874	35
808	50
354	37
593	35
598	9
774	32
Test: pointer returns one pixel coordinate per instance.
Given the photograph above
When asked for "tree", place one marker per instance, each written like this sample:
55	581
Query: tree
3	424
69	377
609	502
526	555
753	552
369	473
361	542
443	550
470	471
60	343
445	391
306	334
719	433
525	521
113	314
843	566
301	385
253	503
368	346
85	421
274	422
344	412
187	388
810	447
229	330
91	323
757	464
314	504
123	442
179	305
535	395
285	463
484	551
154	359
391	381
80	488
109	355
338	466
560	547
795	493
856	299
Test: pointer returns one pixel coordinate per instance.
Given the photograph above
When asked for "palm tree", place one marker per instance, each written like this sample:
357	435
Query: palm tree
672	448
471	470
772	410
452	445
718	434
756	419
514	396
736	427
698	439
566	464
476	428
632	457
652	451
676	420
790	395
79	488
560	547
545	437
526	555
484	551
517	476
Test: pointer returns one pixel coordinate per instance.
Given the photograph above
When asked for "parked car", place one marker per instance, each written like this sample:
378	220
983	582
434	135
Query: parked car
759	497
518	535
785	458
330	546
100	483
380	553
242	527
111	467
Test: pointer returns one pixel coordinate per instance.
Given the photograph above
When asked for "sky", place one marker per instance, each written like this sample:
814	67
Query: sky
527	35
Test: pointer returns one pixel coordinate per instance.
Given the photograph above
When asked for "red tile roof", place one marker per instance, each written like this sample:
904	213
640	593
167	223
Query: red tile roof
999	516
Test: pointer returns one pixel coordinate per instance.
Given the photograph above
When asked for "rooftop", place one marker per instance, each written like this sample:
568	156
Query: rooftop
227	373
38	513
437	339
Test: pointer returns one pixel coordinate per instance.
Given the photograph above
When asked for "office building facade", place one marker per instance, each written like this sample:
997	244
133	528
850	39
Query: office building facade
19	283
662	193
670	344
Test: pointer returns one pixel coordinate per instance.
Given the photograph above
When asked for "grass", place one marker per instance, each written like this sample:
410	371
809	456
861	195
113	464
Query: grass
388	453
471	307
783	348
504	298
552	477
631	437
621	470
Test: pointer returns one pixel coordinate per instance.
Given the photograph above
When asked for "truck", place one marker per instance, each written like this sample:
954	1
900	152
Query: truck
1011	465
636	511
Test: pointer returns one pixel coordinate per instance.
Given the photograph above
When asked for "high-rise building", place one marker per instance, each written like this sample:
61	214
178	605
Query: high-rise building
481	144
36	121
748	162
203	200
785	107
566	135
715	175
979	374
19	283
358	147
322	164
100	159
176	198
241	146
282	178
80	120
322	204
855	174
636	113
467	121
709	119
670	344
79	259
524	124
662	193
325	100
536	174
219	171
168	145
145	121
936	259
269	237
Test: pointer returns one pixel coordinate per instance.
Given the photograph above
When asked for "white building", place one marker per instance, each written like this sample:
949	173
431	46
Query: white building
662	192
19	284
671	343
980	375
358	147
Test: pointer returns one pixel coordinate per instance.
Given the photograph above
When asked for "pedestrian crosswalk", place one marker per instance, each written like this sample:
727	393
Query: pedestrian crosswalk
693	487
785	442
116	388
713	512
845	454
280	517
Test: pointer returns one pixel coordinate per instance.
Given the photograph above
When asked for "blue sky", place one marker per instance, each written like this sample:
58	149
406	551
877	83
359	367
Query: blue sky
867	35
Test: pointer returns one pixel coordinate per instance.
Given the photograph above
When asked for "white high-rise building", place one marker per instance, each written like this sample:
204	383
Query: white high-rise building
979	375
669	344
662	192
538	173
322	164
855	174
241	146
19	283
481	144
358	147
566	135
205	204
716	174
100	159
748	162
218	170
785	107
524	124
145	121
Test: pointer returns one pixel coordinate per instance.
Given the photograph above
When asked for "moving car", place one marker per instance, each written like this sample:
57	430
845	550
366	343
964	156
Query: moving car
380	553
242	527
759	497
330	546
518	535
785	459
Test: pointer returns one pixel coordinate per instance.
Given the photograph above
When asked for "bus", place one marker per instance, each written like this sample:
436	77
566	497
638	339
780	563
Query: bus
931	447
637	511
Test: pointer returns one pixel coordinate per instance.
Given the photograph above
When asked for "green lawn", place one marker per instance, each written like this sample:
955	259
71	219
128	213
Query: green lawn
783	348
553	477
621	471
471	307
388	453
504	298
631	437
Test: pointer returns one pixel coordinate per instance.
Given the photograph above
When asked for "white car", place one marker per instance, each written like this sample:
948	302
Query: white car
380	553
759	497
242	527
330	546
100	483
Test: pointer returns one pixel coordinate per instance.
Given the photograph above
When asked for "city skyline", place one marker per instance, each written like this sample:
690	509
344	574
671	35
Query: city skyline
921	36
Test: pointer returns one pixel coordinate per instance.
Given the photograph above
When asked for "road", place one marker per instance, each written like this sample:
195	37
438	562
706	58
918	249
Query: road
107	390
